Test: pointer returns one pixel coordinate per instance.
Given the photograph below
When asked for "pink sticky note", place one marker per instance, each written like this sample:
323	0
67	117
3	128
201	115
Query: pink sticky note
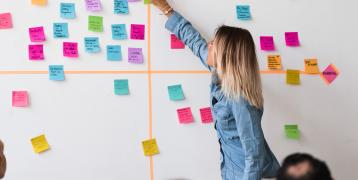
5	21
330	74
36	52
185	116
20	99
175	43
206	115
37	34
292	39
137	31
267	43
93	5
70	49
135	55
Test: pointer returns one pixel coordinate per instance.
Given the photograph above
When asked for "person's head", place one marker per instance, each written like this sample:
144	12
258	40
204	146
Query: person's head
233	54
2	160
302	166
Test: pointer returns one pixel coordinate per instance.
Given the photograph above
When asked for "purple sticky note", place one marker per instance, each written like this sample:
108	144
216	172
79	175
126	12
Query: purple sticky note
135	55
70	49
36	52
133	0
267	43
93	5
37	34
292	39
137	31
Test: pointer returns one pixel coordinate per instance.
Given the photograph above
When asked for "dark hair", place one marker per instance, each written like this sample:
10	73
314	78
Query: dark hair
318	171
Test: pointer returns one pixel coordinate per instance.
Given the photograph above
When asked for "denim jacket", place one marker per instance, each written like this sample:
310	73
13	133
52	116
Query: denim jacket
245	154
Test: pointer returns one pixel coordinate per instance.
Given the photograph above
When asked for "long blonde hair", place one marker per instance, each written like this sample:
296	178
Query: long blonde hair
236	65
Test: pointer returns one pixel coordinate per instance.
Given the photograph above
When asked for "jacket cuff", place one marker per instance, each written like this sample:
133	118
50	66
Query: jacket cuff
173	21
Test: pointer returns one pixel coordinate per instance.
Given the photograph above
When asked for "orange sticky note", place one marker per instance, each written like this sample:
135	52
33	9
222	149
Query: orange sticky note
39	2
274	62
185	116
20	99
293	77
40	144
311	66
150	147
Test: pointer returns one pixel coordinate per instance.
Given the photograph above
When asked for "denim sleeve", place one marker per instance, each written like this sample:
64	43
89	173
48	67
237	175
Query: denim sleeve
183	29
248	123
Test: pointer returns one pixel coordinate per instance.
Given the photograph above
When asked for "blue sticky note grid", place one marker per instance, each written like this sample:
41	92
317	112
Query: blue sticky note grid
67	10
121	7
176	92
121	87
60	30
56	73
119	32
114	53
243	12
92	45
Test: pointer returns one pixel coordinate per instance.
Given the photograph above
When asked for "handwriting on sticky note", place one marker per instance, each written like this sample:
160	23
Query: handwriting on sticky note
330	74
293	77
36	52
137	31
135	55
274	62
70	49
60	30
40	144
56	73
206	115
176	43
37	34
5	21
114	53
185	115
93	5
243	12
92	45
292	39
266	43
175	92
119	32
20	99
95	23
121	7
39	2
292	131
150	147
121	87
311	66
67	10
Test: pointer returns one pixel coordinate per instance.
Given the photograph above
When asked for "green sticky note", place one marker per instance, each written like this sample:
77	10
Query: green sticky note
121	87
147	1
292	131
95	23
175	92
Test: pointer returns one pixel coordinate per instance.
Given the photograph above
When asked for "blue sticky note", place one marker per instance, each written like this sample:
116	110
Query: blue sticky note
121	87
119	32
92	45
60	30
243	12
67	10
121	7
176	92
56	72
114	53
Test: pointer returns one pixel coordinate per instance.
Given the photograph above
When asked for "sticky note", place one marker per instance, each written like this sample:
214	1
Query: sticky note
292	131
70	49
67	10
133	0
292	39
135	55
266	43
175	92
311	66
185	116
243	12
206	115
37	34
150	147
293	77
137	31
121	87
274	62
114	53
40	144
176	43
93	5
36	52
20	99
119	32
95	23
5	21
147	1
92	45
39	2
121	7
330	74
56	73
60	30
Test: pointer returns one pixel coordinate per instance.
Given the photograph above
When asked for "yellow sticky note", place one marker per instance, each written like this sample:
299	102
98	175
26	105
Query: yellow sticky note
311	66
39	2
150	147
274	62
40	144
293	77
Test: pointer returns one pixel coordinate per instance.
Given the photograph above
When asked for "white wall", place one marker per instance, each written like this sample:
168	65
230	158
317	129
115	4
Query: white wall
96	135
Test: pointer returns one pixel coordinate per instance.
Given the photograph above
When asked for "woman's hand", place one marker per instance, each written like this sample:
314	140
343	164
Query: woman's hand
164	6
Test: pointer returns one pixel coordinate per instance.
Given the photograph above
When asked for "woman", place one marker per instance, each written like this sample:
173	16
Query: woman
236	96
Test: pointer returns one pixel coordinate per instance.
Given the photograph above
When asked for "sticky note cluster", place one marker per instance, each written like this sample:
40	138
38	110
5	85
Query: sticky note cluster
40	144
